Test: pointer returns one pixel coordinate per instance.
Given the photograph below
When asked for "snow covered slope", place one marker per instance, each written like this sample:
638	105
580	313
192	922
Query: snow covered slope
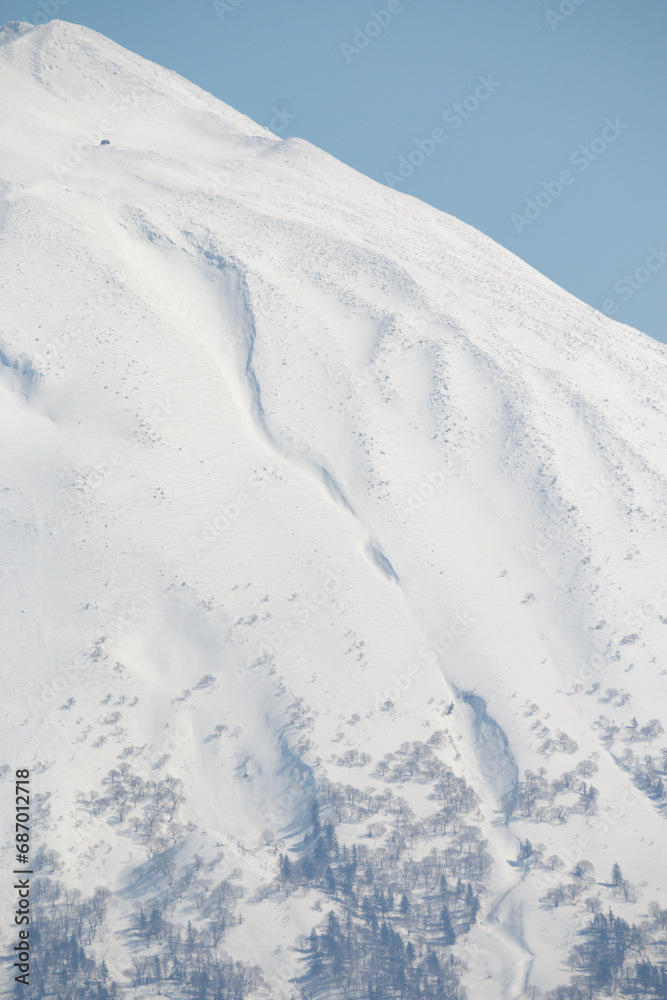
296	471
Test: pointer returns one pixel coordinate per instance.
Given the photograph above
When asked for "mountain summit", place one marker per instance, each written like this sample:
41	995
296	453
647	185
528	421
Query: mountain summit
333	567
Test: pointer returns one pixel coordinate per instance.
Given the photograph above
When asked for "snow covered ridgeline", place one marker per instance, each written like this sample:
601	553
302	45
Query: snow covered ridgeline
379	395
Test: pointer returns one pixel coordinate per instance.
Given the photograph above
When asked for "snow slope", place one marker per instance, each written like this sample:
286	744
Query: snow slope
282	445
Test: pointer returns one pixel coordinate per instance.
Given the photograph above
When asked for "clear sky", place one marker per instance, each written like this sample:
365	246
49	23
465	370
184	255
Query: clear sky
556	76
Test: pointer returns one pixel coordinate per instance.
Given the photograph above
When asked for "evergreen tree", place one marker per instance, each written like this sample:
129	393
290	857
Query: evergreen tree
315	963
285	867
315	818
447	929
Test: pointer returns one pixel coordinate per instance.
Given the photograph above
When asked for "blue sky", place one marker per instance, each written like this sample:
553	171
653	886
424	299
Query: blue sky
558	146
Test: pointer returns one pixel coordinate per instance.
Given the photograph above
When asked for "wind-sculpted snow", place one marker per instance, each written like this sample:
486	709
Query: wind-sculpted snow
289	461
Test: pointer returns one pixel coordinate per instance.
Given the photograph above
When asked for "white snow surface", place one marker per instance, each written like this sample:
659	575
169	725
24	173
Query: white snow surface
269	421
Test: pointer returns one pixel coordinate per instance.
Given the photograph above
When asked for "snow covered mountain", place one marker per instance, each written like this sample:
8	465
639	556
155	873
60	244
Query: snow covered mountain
333	568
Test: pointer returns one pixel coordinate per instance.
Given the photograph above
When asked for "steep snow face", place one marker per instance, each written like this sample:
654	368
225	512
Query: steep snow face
292	463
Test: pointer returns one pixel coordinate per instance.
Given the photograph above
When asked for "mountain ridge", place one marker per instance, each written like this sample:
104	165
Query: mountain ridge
299	473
